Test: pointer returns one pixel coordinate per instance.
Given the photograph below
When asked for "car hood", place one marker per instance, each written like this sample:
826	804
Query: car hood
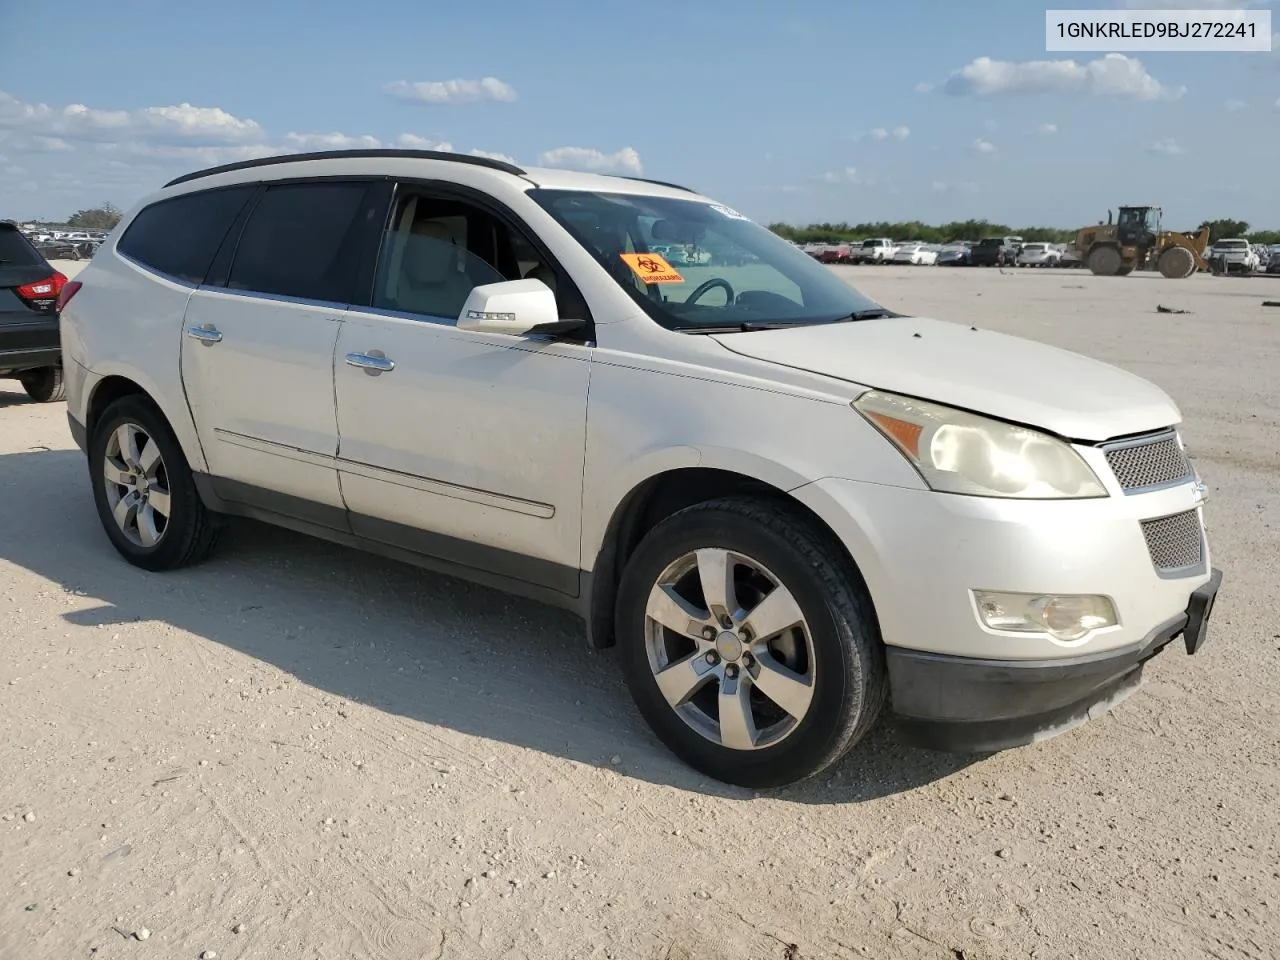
991	373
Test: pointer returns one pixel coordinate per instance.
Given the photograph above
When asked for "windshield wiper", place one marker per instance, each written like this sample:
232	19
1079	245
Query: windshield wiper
873	313
747	326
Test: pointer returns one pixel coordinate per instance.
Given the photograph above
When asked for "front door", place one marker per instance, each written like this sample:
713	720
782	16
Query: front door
464	446
257	352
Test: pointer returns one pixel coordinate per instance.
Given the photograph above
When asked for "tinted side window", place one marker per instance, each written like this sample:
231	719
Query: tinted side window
15	248
180	236
298	242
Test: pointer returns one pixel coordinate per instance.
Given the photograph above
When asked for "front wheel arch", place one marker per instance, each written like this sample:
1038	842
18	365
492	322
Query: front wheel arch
653	500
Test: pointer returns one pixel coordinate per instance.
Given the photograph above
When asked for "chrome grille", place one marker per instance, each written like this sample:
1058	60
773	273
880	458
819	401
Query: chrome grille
1149	463
1174	542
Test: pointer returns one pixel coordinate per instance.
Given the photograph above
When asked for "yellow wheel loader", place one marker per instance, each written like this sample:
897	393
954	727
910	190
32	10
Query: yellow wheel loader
1136	242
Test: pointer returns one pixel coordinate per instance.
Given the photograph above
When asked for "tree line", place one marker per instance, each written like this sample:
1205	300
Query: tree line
977	229
107	215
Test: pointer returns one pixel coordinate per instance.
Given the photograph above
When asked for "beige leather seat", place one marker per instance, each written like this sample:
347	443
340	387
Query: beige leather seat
431	281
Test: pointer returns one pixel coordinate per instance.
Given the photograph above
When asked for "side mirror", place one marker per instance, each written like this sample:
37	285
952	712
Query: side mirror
513	307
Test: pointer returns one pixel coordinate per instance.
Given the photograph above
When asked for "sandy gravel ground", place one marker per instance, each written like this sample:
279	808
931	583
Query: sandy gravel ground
297	750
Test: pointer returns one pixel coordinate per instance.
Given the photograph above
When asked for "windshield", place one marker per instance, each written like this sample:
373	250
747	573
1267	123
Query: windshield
1232	244
1035	248
992	242
728	271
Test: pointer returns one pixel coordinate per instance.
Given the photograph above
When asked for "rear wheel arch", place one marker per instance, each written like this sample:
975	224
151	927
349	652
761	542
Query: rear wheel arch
106	392
658	497
114	386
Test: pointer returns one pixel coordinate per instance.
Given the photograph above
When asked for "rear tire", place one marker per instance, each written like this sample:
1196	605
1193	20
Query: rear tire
1105	261
44	385
729	699
149	507
1176	263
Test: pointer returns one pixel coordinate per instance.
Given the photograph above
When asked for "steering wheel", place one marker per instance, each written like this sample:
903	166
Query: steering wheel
707	286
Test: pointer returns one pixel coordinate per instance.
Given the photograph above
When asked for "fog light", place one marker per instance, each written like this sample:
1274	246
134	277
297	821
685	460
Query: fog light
1061	617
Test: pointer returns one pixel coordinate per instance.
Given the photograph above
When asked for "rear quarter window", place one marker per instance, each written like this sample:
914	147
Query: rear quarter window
15	248
180	236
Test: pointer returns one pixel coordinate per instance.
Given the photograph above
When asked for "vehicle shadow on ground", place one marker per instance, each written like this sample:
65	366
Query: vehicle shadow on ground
15	398
405	641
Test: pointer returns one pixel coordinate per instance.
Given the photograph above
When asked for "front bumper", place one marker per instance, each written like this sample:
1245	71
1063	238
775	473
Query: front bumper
968	705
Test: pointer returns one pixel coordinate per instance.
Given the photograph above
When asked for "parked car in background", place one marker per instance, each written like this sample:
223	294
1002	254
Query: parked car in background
1273	264
1038	255
1069	258
30	349
985	534
875	250
59	250
1237	256
954	255
993	252
835	253
916	254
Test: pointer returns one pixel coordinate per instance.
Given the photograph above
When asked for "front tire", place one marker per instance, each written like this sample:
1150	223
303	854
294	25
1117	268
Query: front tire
144	491
44	385
749	646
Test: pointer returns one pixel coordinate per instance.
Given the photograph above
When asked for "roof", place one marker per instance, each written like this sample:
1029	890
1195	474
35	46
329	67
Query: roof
393	162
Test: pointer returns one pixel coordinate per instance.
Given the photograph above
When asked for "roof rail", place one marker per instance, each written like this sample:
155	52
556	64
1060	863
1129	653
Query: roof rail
660	183
350	155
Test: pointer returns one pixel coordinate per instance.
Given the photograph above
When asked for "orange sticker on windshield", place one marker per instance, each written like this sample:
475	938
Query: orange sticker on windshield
651	268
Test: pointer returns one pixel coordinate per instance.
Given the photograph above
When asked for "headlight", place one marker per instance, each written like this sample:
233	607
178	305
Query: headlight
959	452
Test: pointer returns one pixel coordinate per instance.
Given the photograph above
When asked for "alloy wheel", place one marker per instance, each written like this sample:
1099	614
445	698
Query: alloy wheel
137	485
730	649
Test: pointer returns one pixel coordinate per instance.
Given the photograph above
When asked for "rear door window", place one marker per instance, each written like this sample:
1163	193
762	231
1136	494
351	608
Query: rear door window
300	242
180	236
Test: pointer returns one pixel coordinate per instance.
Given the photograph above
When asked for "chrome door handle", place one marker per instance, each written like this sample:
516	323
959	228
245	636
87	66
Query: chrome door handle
208	334
373	362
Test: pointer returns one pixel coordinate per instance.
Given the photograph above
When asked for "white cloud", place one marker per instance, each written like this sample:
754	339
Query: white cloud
13	170
984	146
948	186
1048	128
452	91
1168	147
331	141
505	158
901	133
43	145
625	161
1235	106
411	141
183	122
1188	4
844	175
209	155
924	87
897	133
1113	75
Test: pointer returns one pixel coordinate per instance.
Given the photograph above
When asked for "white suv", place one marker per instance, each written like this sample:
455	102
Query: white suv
787	505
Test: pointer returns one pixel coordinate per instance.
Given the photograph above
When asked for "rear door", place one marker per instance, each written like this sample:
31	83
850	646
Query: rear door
28	323
257	350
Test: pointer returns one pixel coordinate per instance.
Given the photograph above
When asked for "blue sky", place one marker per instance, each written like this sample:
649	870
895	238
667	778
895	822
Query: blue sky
800	112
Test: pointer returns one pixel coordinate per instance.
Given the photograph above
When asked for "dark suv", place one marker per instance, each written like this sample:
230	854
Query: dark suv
29	346
993	252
